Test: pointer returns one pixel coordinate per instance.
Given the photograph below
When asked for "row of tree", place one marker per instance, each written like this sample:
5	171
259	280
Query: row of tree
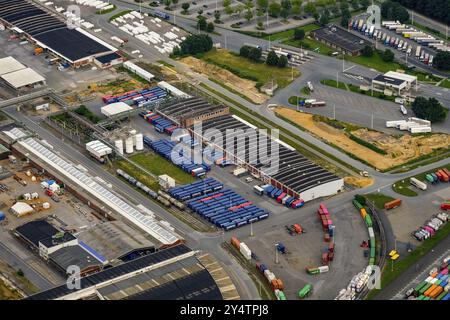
394	11
204	25
254	54
429	109
194	44
442	61
436	9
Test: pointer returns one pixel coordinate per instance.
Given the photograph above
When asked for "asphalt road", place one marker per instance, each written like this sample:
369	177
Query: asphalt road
427	22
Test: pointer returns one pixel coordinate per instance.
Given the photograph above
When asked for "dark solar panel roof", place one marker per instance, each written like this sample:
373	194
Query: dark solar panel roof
198	286
393	81
108	57
108	274
341	38
41	231
294	170
49	30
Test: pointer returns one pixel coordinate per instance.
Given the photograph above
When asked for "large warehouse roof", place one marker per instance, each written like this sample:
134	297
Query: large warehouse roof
91	186
74	255
50	32
21	78
115	108
90	283
9	64
41	231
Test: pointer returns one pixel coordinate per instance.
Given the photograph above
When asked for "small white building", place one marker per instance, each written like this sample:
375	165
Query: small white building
395	81
166	181
20	209
18	76
115	108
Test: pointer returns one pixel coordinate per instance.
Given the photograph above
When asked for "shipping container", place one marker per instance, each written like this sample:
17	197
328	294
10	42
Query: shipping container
392	204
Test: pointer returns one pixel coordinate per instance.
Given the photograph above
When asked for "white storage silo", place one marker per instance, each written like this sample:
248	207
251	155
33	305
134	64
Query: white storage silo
139	141
119	146
129	143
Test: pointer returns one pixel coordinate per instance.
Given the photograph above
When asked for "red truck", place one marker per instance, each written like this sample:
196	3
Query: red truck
445	205
445	177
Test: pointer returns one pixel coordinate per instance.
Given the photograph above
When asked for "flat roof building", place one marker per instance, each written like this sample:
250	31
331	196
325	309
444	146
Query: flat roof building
9	64
25	78
339	38
75	255
395	81
115	108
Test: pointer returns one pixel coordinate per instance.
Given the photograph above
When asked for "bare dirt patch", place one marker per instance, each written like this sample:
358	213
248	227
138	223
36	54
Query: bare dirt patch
399	149
243	86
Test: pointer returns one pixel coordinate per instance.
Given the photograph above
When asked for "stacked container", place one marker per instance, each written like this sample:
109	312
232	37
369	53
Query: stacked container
436	286
140	98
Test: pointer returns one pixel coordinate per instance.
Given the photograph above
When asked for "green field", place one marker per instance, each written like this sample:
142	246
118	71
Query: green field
288	34
404	187
374	62
158	166
310	44
244	68
379	199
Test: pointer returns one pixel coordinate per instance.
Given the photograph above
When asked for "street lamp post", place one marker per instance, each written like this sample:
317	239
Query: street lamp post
276	253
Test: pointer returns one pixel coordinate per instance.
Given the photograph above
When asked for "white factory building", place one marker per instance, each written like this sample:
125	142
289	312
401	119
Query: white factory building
18	76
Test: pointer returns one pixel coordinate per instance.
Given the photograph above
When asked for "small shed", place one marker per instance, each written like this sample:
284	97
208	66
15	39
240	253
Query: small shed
21	209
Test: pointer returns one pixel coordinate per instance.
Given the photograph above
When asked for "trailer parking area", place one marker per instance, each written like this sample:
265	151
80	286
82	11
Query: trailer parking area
305	250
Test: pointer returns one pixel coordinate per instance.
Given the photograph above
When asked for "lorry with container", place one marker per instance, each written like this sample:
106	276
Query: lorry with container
392	204
403	110
305	291
418	50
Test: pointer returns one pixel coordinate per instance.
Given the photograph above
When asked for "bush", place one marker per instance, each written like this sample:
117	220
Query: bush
282	62
272	58
194	44
387	56
299	34
367	51
245	51
367	144
442	61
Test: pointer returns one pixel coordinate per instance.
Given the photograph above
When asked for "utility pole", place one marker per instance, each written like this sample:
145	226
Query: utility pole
337	79
251	229
225	42
371	121
334	111
276	254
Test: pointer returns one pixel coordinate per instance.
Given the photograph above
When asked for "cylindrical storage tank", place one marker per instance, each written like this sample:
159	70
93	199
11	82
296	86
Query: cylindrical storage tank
129	144
119	146
139	139
133	133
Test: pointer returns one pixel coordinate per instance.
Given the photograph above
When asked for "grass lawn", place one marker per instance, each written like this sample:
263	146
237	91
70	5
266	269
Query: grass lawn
117	15
244	68
158	166
379	199
392	271
288	34
311	44
404	187
106	11
445	84
294	100
374	62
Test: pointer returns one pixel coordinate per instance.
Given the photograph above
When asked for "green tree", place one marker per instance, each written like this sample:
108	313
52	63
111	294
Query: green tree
249	4
365	3
284	13
316	16
255	54
286	4
387	56
324	18
367	51
239	9
274	9
346	16
217	16
361	199
310	8
429	109
201	23
263	4
210	27
167	3
226	3
248	15
20	272
185	6
195	43
175	1
229	10
272	58
282	61
245	51
299	34
394	11
296	9
355	4
442	61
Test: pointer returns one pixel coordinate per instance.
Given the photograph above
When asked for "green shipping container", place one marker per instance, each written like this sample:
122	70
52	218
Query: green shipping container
372	242
313	271
442	295
427	298
368	221
421	297
429	178
372	252
371	261
357	205
438	282
420	286
425	288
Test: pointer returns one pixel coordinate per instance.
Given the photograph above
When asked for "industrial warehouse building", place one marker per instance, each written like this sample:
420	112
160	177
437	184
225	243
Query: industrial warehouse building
85	185
18	76
339	38
176	273
47	31
296	175
394	81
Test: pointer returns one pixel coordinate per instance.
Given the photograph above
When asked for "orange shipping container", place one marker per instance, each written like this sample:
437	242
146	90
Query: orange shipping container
235	242
436	292
274	284
38	50
430	290
392	204
281	286
363	213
